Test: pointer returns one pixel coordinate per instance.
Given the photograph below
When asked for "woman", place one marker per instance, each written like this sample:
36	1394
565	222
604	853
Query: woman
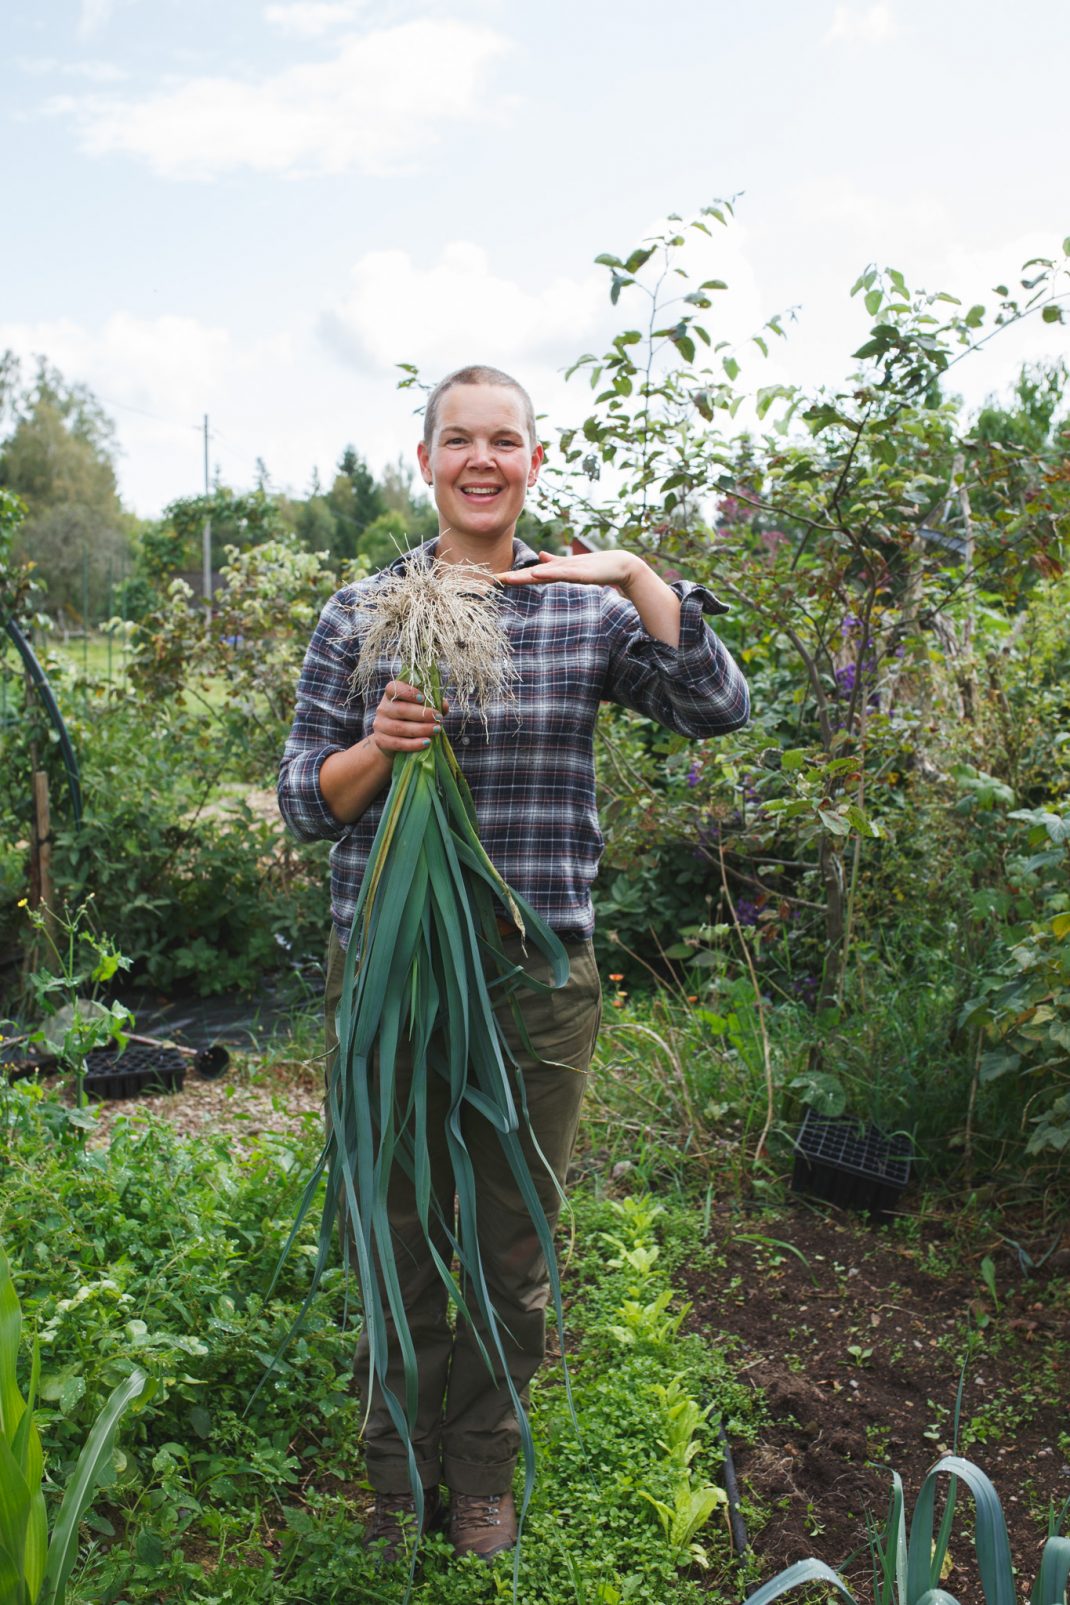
581	630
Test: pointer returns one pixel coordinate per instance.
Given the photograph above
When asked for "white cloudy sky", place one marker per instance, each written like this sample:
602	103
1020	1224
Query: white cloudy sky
256	210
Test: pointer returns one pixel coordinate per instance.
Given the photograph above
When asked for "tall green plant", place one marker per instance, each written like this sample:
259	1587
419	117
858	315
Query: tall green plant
34	1571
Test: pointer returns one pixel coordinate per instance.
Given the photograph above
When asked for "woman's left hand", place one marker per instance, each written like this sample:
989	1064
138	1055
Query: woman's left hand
657	606
614	567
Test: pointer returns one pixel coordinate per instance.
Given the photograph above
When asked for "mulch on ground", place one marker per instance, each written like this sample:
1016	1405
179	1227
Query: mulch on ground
856	1334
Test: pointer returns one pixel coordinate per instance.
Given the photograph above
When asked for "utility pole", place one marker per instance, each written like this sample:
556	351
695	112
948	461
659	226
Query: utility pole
207	533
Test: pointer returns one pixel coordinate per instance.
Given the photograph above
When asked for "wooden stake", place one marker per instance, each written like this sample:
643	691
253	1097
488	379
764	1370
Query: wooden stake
41	858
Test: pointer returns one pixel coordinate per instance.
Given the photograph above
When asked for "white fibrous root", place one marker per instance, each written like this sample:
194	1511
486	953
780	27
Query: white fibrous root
435	621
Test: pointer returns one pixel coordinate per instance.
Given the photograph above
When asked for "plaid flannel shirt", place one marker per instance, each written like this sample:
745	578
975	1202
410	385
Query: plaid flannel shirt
531	770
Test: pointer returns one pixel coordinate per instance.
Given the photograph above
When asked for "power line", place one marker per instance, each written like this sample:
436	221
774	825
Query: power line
142	412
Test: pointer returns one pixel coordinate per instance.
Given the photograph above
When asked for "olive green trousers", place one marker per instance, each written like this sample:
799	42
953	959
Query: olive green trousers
466	1431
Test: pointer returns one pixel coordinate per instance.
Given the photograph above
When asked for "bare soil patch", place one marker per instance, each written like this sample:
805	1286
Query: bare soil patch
856	1334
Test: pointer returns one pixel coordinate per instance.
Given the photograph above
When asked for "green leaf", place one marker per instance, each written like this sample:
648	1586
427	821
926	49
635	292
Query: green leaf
12	1404
64	1546
150	1550
1054	1574
731	367
638	258
430	954
803	1573
857	817
822	1091
990	1535
71	1393
1052	314
998	1062
873	302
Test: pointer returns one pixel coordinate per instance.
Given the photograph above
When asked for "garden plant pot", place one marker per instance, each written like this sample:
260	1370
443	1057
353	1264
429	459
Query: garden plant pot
110	1075
848	1163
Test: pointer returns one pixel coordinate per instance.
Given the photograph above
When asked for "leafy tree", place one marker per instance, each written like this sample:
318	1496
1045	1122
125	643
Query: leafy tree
831	530
239	518
355	501
314	522
383	539
59	460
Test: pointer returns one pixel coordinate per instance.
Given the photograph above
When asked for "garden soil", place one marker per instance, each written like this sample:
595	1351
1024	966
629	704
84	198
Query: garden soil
855	1335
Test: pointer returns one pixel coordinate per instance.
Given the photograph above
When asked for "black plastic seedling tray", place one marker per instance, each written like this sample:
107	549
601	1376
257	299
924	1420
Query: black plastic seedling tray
110	1074
850	1164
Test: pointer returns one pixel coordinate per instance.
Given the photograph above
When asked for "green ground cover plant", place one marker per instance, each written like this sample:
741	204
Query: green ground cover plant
156	1254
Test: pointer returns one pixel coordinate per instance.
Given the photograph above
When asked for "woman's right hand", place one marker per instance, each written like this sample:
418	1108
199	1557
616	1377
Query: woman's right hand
403	721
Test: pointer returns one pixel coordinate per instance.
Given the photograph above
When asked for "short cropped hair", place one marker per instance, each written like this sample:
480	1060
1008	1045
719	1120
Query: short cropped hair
476	374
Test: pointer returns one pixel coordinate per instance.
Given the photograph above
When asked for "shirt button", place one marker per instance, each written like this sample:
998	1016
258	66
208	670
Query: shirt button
465	740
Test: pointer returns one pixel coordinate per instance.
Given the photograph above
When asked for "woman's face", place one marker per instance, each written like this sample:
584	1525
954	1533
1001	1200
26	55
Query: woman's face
481	461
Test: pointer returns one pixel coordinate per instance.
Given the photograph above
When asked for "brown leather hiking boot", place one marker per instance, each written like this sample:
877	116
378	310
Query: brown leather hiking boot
482	1524
393	1522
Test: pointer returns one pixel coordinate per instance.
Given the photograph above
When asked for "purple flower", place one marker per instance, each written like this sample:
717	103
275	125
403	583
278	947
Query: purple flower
693	774
805	988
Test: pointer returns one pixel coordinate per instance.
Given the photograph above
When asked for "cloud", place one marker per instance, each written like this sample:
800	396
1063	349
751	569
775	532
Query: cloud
310	19
156	377
373	107
869	27
93	14
455	311
98	72
296	396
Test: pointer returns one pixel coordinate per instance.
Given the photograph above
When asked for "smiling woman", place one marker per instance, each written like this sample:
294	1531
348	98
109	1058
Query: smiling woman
578	630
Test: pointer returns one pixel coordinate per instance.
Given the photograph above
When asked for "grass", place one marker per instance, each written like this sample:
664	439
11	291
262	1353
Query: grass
96	657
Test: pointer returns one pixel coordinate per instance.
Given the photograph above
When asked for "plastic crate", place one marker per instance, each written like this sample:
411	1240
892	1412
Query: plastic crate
111	1075
850	1164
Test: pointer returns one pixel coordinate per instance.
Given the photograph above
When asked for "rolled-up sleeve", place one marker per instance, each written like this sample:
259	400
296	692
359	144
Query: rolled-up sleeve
696	687
328	718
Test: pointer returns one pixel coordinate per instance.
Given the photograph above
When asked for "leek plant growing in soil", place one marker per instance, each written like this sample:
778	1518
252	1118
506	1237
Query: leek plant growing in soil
425	967
909	1570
